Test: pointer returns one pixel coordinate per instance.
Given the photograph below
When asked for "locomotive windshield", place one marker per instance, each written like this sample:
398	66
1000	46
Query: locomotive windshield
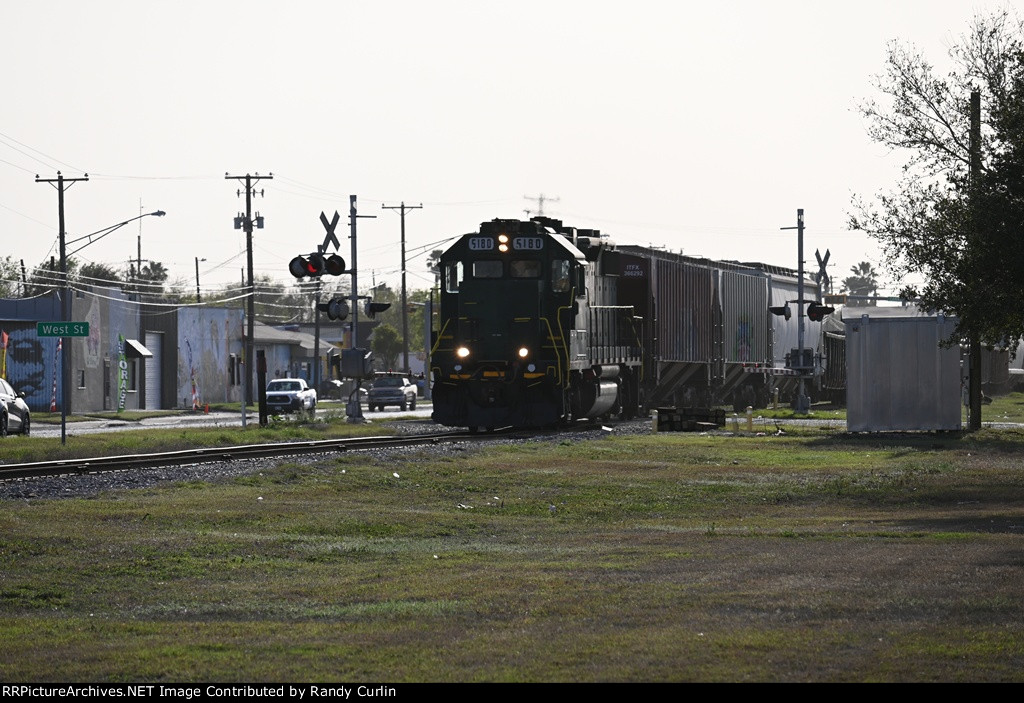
487	269
518	268
525	269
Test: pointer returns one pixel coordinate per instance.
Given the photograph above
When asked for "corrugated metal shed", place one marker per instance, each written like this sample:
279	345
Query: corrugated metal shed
899	376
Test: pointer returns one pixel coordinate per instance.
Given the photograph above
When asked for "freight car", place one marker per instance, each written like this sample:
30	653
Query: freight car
541	324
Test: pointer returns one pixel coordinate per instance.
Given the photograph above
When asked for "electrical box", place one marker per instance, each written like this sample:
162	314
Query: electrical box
356	363
793	360
900	372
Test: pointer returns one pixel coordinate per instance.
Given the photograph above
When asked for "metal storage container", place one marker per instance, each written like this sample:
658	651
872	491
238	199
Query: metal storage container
899	376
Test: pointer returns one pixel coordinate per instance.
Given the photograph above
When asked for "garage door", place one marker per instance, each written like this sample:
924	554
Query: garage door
155	343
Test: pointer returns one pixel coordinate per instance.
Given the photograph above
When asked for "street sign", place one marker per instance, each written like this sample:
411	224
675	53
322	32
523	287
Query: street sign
62	329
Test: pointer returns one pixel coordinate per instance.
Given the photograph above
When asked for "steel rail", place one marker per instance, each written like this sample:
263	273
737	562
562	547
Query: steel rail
205	455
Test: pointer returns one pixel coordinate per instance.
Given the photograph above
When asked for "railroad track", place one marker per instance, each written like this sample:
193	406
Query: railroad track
214	454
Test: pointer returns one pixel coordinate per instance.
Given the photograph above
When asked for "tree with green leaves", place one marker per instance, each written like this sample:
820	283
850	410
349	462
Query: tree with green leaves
954	218
863	281
10	274
434	261
47	277
961	235
386	344
98	274
146	282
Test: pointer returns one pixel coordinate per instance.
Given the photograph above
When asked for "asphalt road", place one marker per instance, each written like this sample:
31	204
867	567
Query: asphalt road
48	428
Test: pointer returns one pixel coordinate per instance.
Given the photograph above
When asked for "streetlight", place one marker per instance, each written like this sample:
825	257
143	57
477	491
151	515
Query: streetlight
101	233
199	298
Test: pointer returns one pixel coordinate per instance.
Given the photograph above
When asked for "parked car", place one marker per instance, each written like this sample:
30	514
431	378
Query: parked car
289	395
14	414
392	389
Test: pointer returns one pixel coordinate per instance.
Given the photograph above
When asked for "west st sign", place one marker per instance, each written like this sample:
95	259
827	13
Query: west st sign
62	329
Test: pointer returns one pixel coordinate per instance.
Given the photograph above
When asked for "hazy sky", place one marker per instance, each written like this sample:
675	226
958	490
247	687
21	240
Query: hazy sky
698	126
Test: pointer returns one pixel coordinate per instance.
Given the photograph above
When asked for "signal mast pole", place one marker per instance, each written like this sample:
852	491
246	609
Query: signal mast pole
352	216
803	403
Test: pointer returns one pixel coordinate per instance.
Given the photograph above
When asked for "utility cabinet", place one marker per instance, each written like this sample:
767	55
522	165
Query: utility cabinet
899	375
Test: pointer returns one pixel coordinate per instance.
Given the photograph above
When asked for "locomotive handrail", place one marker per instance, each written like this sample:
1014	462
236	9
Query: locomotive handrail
640	346
440	334
551	336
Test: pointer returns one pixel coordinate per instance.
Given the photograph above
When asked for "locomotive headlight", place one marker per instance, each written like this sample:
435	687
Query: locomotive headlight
462	352
531	368
458	367
523	352
503	243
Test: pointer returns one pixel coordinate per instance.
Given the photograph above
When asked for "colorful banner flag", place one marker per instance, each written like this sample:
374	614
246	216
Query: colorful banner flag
56	355
4	337
192	370
122	374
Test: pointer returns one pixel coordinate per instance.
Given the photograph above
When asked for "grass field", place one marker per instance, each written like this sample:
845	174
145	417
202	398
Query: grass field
811	556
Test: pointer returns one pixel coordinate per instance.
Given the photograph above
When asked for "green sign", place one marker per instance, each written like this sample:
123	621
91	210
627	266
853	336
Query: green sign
62	329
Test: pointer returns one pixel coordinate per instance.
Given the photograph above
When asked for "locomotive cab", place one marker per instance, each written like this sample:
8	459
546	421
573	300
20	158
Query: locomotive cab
522	340
506	297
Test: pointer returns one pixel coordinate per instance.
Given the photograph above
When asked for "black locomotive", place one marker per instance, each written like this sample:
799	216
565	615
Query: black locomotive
541	324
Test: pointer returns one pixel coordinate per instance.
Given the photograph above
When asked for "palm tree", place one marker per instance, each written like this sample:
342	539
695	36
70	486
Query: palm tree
863	282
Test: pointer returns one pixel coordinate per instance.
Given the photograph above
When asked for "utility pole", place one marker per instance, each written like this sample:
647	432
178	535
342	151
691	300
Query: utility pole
540	200
405	312
246	222
199	296
973	337
61	184
138	251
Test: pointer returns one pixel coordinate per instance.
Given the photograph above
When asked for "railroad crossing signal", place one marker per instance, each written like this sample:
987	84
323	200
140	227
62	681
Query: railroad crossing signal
823	277
816	311
316	264
782	310
331	238
373	308
336	308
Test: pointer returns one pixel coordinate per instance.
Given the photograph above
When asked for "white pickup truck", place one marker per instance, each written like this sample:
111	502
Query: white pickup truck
289	395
